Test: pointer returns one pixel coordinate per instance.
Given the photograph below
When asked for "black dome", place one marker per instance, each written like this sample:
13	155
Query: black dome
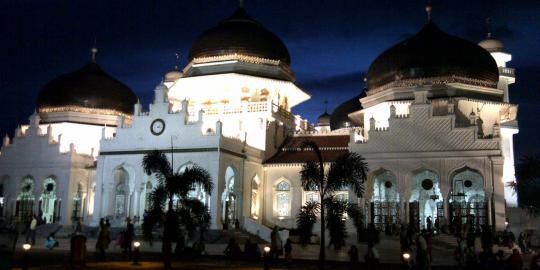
87	87
340	116
239	34
432	53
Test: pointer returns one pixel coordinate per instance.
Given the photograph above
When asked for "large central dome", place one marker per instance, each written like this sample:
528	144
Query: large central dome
433	53
242	35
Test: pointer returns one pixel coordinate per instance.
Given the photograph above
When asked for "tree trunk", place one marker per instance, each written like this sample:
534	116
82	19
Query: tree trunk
322	256
166	242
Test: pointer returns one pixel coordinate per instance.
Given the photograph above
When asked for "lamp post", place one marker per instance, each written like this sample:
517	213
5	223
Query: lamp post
266	257
26	249
136	253
406	256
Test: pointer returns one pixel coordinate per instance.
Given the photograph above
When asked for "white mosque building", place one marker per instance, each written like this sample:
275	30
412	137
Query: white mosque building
435	125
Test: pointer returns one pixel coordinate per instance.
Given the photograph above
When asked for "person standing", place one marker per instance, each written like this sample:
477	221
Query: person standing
437	225
276	243
429	224
353	255
515	261
104	238
128	238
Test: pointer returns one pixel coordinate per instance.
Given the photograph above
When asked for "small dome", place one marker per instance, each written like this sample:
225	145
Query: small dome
324	120
88	87
432	53
239	34
491	45
340	116
172	75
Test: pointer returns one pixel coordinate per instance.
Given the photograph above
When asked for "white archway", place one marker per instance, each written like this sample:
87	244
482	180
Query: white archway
468	202
282	198
228	197
426	200
24	207
385	199
120	194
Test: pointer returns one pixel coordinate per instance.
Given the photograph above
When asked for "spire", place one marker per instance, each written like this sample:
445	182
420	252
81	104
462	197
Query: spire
326	106
94	51
241	3
429	8
488	27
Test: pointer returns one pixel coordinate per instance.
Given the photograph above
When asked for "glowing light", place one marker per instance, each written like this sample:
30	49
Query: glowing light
26	247
406	256
136	244
266	249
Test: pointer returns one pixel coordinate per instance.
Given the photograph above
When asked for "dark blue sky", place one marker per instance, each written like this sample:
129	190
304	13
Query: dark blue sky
331	42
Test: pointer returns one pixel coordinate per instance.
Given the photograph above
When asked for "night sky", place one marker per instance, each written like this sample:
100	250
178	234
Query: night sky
331	42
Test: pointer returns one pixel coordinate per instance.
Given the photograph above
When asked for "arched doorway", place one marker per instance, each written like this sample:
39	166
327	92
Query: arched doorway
121	194
228	197
197	192
468	202
24	207
426	201
48	201
78	204
3	184
385	200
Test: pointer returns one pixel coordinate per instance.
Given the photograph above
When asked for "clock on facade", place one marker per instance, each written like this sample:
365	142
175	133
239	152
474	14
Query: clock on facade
157	127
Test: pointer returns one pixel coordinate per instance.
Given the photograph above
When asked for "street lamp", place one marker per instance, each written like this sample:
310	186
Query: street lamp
406	259
136	253
266	257
26	248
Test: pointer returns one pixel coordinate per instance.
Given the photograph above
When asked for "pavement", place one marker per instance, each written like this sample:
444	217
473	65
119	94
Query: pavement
443	254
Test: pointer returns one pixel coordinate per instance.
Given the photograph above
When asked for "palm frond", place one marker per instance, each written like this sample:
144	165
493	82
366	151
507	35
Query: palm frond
306	219
348	170
156	162
310	175
196	175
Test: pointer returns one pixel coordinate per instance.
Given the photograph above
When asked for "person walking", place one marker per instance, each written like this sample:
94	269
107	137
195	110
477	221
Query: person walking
32	230
372	256
233	250
288	250
104	239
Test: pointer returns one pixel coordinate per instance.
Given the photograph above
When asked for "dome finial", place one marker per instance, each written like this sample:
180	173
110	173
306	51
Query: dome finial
488	27
325	105
429	8
94	50
177	60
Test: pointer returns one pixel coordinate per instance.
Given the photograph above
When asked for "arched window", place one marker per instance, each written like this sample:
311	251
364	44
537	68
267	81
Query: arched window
255	197
228	197
283	199
48	201
25	200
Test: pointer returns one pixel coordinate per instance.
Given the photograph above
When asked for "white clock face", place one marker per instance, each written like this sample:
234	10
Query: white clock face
157	127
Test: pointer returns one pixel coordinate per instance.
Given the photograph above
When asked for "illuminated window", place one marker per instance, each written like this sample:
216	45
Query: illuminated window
283	199
255	197
312	196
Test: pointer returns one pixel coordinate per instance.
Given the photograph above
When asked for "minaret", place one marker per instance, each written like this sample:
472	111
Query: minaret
496	48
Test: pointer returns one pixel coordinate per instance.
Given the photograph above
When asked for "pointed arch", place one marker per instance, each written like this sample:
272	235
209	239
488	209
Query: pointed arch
282	198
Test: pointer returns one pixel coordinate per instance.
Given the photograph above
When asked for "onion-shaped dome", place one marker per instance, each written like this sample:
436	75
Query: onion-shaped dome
491	45
324	120
340	116
172	75
240	34
432	53
88	87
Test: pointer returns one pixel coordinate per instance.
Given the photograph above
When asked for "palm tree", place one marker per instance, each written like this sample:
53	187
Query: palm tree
527	184
347	171
170	204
